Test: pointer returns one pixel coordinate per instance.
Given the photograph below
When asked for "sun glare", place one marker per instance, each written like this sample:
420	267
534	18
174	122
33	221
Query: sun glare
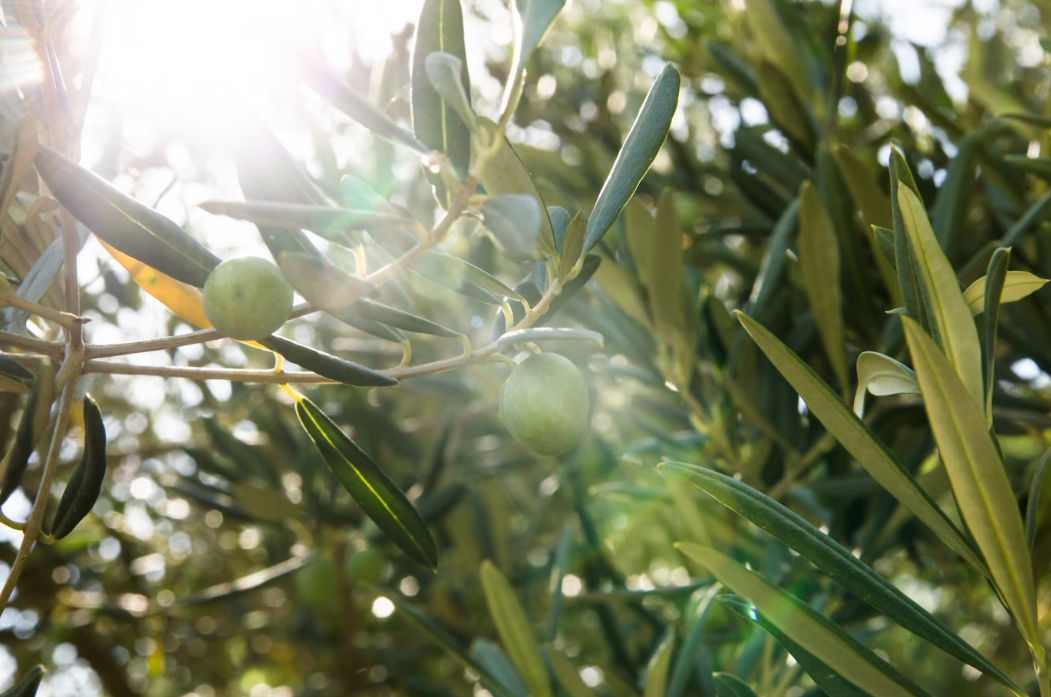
187	62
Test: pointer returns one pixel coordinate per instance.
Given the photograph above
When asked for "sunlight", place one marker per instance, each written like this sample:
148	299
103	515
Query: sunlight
188	62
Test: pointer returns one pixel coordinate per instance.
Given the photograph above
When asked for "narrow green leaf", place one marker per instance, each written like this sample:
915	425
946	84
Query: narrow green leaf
85	484
786	110
339	94
835	561
885	244
904	258
445	71
772	269
559	218
123	222
371	488
1036	490
515	632
1031	215
657	668
505	173
819	269
321	283
443	638
558	572
36	283
571	246
327	365
1039	166
949	213
440	29
514	220
264	501
858	439
640	148
693	648
664	275
993	295
1016	285
454	273
495	661
733	66
987	503
28	685
830	682
30	426
882	376
775	43
402	320
534	19
568	676
950	315
729	685
810	630
872	203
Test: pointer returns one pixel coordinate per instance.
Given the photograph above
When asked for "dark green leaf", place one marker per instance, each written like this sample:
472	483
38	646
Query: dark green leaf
559	563
85	484
28	685
323	284
885	242
994	287
835	561
570	247
371	488
458	275
858	439
830	682
693	649
640	148
121	221
1032	508
489	656
904	258
327	365
1040	166
30	426
729	685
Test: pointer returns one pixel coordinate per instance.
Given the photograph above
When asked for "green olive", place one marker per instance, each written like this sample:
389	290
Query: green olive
247	298
544	404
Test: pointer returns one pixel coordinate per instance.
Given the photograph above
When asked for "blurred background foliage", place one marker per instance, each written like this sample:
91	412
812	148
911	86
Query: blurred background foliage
223	559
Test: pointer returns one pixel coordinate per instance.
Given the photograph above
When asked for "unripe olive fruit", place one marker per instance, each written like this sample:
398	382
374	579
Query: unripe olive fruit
247	298
544	404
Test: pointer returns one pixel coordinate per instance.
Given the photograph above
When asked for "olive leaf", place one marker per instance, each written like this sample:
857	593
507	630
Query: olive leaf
30	427
534	19
434	120
263	501
835	561
339	94
327	365
554	589
445	72
819	269
85	484
984	495
830	682
693	650
904	260
657	668
505	173
37	281
729	685
817	635
644	141
568	676
514	220
130	226
858	439
950	316
1036	490
377	495
515	632
993	292
28	685
570	246
489	655
881	376
1017	285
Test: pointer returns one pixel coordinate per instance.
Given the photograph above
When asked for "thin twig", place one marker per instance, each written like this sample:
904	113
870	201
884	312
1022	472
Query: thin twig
234	375
36	516
48	348
65	319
